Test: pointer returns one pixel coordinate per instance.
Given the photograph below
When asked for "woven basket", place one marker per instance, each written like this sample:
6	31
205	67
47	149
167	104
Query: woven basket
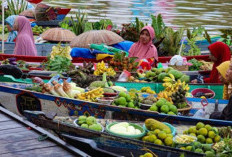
180	68
185	111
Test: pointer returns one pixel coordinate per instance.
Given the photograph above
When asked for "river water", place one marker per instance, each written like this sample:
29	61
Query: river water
212	14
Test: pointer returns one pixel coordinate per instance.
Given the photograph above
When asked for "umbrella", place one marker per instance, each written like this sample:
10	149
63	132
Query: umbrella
96	37
58	34
28	13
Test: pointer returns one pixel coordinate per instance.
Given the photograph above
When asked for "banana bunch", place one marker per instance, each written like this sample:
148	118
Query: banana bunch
91	95
172	86
166	95
101	68
61	51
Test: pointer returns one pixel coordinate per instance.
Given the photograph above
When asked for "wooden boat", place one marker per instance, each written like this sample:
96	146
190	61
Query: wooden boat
119	145
15	98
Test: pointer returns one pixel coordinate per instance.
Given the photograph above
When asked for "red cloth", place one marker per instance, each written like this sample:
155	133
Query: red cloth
220	51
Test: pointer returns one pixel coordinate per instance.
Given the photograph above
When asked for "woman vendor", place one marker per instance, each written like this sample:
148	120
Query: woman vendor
10	23
226	114
25	44
219	53
144	49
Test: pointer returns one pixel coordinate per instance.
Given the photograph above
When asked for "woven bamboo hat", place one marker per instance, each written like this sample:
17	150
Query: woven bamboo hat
96	37
58	34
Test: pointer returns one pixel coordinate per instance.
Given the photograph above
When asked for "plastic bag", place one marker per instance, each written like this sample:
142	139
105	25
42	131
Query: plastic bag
200	113
124	76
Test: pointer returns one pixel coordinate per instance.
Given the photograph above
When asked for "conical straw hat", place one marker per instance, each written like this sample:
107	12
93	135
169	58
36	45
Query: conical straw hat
96	37
58	34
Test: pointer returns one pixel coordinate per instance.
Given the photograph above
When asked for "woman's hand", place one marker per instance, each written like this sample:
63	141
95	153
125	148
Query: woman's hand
194	81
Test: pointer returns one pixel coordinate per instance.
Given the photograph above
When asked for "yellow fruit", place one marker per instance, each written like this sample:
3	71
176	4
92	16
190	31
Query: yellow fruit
162	135
211	134
203	131
152	124
208	127
209	141
158	141
168	141
217	138
199	125
148	155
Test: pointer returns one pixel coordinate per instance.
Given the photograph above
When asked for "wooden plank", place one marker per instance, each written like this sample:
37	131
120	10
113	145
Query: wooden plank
21	136
12	130
9	124
24	145
4	118
42	152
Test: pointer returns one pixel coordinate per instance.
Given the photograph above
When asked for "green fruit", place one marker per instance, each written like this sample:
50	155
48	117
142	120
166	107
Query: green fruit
209	154
211	134
208	127
158	141
185	132
192	130
122	101
154	108
200	125
193	134
91	120
171	113
156	131
96	127
122	94
209	141
164	109
198	150
128	98
84	126
152	138
160	103
201	138
147	155
170	135
168	141
145	138
183	148
206	147
173	109
162	135
82	118
217	138
203	131
189	148
131	105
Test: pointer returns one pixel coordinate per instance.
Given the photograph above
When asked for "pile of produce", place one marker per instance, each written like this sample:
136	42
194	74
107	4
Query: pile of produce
204	133
89	123
91	95
148	100
184	139
164	106
124	128
158	75
159	133
5	29
101	68
200	65
120	62
39	30
68	90
124	100
58	50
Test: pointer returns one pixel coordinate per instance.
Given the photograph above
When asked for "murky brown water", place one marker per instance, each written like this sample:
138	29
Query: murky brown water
212	14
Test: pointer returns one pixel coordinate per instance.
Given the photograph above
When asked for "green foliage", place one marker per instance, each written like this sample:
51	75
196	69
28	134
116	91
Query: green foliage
226	36
131	31
15	8
64	24
158	25
171	44
207	37
192	38
59	64
99	25
196	65
78	25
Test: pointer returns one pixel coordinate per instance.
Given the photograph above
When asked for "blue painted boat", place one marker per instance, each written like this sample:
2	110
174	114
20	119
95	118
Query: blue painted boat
108	142
15	98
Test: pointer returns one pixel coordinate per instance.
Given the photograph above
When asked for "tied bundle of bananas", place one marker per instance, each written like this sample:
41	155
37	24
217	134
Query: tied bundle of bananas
61	51
101	68
172	86
91	95
166	95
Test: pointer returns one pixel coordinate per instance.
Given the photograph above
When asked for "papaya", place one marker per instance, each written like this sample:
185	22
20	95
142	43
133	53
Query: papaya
152	124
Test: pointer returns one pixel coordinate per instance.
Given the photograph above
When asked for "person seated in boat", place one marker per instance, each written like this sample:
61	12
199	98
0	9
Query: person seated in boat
25	44
219	53
144	49
10	23
226	114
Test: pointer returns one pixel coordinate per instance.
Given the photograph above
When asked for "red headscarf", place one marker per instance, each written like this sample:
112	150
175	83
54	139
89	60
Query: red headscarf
220	51
25	44
144	51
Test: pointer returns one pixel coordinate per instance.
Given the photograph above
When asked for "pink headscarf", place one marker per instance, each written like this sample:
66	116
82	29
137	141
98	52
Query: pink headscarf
25	44
142	51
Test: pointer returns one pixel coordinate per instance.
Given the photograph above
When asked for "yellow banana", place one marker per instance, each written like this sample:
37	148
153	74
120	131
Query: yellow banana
172	77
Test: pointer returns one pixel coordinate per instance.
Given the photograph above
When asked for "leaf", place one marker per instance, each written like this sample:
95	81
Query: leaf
207	37
88	26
